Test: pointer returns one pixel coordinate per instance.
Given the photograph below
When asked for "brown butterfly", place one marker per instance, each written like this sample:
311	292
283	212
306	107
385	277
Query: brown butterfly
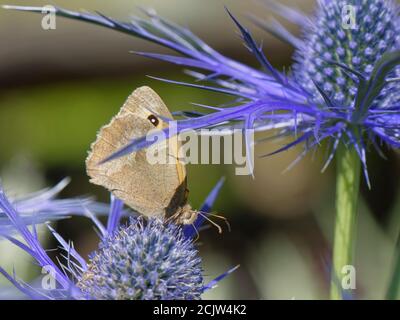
150	189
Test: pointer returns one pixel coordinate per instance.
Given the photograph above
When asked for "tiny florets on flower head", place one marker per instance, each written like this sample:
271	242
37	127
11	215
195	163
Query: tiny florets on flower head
351	32
148	259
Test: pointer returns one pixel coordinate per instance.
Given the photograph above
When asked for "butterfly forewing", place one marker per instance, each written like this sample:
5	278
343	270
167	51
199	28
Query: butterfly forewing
149	188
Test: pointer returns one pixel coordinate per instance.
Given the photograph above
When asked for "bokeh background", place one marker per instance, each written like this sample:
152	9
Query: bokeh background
58	87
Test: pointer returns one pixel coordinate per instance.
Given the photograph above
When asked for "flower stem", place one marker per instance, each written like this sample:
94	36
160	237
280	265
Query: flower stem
348	168
393	292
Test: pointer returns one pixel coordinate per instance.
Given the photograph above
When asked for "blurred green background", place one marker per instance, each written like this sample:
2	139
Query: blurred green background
58	87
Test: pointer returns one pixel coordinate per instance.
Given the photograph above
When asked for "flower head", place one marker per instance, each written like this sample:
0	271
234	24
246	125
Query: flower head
145	260
347	67
359	44
142	260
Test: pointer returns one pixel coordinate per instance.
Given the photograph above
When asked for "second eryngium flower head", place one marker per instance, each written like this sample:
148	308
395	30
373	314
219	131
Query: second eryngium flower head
145	260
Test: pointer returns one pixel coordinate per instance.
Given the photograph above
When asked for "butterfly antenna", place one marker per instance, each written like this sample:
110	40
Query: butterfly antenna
222	218
197	233
204	215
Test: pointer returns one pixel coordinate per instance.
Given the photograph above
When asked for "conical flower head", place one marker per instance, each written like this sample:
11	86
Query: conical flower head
146	260
353	33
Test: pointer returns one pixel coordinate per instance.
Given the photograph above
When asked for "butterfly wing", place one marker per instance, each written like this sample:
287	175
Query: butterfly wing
150	189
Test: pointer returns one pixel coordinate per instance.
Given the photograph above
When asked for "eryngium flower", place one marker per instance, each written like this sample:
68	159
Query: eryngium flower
144	261
343	89
140	261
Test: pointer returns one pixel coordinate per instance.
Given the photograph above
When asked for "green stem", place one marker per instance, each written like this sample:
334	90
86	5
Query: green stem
348	168
393	292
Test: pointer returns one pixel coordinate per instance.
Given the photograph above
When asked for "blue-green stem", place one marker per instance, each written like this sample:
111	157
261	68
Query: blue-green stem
348	168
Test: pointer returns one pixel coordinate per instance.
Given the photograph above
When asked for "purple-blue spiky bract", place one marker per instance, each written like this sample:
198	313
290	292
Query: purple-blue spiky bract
343	89
145	260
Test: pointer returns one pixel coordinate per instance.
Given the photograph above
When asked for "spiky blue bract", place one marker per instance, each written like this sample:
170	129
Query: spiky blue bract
32	246
343	88
43	206
145	260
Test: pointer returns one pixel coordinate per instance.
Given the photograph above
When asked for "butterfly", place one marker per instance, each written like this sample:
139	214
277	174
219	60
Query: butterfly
151	189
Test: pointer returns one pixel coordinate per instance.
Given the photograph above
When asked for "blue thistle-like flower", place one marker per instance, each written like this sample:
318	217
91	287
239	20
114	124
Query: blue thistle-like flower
144	261
344	88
